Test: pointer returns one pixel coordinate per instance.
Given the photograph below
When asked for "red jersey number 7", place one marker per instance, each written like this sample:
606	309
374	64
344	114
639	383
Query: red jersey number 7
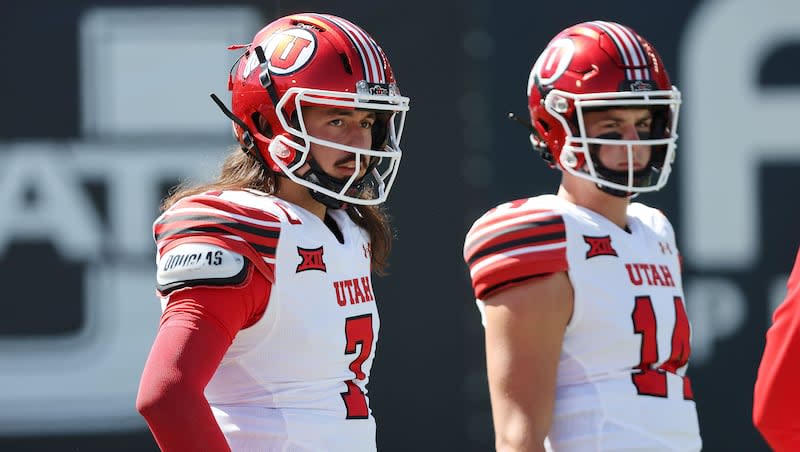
358	331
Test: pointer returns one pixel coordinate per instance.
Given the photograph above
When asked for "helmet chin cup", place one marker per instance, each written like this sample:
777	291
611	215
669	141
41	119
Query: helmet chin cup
616	193
313	176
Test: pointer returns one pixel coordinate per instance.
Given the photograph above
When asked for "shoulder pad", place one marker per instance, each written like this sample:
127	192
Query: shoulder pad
194	264
514	242
524	220
200	218
651	217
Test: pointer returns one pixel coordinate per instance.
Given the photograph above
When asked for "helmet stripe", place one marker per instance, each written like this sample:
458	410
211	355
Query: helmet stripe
369	59
623	52
364	64
628	47
379	58
637	46
374	53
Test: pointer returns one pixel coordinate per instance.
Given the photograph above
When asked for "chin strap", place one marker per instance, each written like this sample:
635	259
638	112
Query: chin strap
317	176
249	145
615	192
640	178
538	143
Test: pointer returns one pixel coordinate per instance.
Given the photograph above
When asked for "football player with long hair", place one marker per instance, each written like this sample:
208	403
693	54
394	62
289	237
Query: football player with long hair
580	292
269	320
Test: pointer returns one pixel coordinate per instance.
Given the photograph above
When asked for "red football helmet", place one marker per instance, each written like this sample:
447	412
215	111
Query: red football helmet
600	65
321	60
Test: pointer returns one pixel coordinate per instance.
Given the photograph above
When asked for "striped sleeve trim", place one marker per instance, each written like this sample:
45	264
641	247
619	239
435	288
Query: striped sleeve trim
263	238
513	246
251	232
546	230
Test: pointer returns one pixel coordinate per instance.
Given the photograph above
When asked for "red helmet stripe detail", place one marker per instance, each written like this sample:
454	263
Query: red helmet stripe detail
621	49
637	46
367	49
619	37
374	52
629	48
379	58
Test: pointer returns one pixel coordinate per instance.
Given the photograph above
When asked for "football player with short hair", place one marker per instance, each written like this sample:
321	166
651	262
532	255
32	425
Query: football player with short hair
269	320
580	292
776	390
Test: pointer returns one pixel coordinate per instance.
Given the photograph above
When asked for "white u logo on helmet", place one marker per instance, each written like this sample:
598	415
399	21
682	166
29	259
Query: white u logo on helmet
289	50
553	62
286	51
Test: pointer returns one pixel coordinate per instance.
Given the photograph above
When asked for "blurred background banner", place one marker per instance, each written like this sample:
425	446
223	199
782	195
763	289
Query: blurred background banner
105	107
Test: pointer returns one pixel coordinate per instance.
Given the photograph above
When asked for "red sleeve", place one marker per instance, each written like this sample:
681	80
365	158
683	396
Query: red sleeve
777	390
197	327
509	246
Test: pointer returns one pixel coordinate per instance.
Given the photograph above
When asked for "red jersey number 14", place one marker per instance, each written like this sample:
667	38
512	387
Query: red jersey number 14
653	381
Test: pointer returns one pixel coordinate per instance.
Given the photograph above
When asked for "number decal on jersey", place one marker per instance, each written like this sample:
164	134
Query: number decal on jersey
508	205
650	381
358	331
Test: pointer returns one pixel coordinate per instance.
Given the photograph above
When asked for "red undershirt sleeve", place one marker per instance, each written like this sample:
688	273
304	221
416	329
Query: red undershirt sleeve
777	390
197	327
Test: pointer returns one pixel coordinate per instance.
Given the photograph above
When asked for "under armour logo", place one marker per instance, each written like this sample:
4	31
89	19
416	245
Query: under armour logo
665	249
311	259
599	246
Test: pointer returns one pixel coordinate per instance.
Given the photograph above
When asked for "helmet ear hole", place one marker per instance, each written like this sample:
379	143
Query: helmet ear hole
346	63
262	124
543	125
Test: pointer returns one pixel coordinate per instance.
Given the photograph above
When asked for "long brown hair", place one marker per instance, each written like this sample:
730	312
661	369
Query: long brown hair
241	171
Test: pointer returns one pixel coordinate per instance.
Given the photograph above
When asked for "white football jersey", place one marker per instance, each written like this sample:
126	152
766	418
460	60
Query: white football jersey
621	377
296	379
